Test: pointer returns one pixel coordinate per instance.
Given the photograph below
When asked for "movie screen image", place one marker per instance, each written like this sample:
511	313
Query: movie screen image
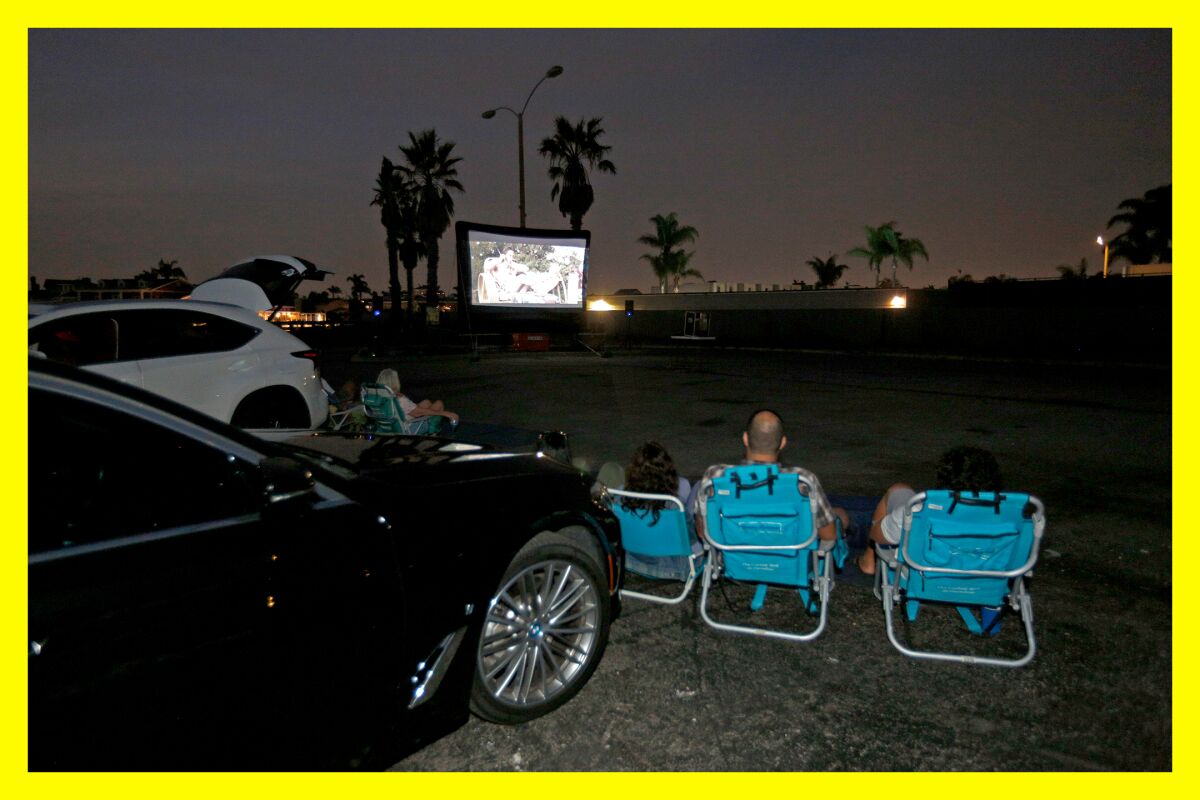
526	269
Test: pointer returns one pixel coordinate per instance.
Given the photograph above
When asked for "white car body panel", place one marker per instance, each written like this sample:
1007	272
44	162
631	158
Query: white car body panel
213	382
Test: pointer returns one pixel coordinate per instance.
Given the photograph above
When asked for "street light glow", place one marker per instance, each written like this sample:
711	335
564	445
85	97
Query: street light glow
1100	240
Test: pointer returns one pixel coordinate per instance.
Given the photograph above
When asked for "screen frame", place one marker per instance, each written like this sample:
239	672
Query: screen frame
466	299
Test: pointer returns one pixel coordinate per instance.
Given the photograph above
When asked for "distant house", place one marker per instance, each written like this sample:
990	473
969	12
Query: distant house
1141	270
56	290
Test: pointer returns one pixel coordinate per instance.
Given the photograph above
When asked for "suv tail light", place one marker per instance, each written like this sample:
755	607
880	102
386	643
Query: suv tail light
311	355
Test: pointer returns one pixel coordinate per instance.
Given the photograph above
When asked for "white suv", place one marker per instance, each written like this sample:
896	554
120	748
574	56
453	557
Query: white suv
220	359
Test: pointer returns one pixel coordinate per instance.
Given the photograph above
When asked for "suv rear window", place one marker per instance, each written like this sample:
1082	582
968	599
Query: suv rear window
127	335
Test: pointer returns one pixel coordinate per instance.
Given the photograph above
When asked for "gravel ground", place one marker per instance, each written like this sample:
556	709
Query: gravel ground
672	694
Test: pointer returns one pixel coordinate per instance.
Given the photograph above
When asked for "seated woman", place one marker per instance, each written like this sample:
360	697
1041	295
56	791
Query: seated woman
963	469
415	412
651	470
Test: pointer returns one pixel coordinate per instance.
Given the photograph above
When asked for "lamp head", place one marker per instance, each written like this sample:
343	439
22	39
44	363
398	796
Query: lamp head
491	112
1100	240
554	71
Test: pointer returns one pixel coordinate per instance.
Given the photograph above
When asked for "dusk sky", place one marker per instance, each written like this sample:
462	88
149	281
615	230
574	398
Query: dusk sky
1003	151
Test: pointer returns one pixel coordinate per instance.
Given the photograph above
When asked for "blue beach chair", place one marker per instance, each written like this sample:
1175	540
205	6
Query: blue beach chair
667	536
972	551
760	523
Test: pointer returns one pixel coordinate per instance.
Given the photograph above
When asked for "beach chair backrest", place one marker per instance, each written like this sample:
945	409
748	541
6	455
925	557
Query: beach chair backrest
645	535
756	504
379	403
990	532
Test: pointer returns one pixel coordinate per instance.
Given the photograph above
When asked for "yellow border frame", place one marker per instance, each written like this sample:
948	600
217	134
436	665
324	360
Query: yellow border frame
622	13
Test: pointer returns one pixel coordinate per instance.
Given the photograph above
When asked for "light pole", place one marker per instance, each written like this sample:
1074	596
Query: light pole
553	72
1104	244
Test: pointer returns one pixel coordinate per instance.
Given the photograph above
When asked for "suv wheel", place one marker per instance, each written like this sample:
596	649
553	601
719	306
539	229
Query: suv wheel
544	632
273	407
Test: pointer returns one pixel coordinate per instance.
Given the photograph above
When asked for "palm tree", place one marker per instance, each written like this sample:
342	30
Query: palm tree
1148	238
386	197
358	287
572	151
886	242
669	261
165	271
829	272
431	172
1068	273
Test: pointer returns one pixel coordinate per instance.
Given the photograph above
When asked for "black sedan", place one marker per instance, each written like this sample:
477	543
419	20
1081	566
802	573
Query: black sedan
202	599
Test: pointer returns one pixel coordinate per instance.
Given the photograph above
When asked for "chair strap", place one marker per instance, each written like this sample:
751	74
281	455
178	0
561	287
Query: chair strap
768	481
966	500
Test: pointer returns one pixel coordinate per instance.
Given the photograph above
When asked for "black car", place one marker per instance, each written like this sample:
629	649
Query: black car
202	599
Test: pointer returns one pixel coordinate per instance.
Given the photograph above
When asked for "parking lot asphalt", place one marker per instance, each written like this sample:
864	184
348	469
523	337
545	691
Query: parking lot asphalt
1094	443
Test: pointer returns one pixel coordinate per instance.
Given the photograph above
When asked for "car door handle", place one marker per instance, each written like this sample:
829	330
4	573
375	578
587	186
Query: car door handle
35	647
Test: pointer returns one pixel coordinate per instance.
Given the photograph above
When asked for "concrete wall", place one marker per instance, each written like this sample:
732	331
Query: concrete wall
1114	320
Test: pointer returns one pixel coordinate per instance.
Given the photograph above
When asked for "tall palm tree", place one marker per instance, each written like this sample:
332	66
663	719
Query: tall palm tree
431	172
1147	239
886	242
829	272
387	187
397	203
669	261
572	150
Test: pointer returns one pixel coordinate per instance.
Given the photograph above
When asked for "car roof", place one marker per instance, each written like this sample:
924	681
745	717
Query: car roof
41	367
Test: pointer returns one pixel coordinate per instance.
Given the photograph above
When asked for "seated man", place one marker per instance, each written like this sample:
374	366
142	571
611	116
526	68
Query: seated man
962	469
763	440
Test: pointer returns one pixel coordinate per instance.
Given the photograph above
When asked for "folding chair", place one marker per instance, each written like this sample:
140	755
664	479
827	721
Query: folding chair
760	521
667	536
337	419
382	407
969	550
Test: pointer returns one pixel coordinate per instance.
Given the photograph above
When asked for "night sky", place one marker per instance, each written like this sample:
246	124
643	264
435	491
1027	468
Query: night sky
1003	151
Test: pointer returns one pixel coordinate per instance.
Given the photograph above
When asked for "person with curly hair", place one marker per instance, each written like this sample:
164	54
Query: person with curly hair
651	470
961	469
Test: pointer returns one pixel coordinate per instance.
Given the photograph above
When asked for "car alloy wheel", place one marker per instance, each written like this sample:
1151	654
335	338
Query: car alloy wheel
543	633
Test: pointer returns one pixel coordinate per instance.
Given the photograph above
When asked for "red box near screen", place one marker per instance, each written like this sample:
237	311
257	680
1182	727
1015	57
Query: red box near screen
530	341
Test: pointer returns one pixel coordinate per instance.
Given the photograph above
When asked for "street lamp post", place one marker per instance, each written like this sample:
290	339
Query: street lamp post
1100	241
553	72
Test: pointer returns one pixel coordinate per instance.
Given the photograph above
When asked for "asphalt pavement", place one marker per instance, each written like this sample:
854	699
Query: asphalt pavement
1094	443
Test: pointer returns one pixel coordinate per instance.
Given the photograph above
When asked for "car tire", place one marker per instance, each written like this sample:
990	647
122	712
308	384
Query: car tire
543	633
273	407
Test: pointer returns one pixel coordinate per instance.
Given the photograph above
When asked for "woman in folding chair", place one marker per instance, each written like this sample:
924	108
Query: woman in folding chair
652	471
963	468
423	417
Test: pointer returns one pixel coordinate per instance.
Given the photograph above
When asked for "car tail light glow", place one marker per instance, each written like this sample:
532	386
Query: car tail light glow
311	355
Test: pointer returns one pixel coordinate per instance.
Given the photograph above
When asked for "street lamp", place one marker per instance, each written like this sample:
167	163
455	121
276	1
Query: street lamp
553	72
1104	244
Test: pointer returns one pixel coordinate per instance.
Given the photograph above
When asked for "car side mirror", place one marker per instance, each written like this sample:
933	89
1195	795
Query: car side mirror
554	444
284	479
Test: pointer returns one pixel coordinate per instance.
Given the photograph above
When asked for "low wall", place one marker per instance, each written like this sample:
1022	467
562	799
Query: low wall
1096	320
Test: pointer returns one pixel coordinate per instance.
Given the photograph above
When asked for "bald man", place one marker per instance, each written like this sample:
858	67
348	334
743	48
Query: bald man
763	439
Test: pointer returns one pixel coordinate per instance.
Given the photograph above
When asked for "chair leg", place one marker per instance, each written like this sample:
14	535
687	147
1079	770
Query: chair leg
710	574
1024	602
760	595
